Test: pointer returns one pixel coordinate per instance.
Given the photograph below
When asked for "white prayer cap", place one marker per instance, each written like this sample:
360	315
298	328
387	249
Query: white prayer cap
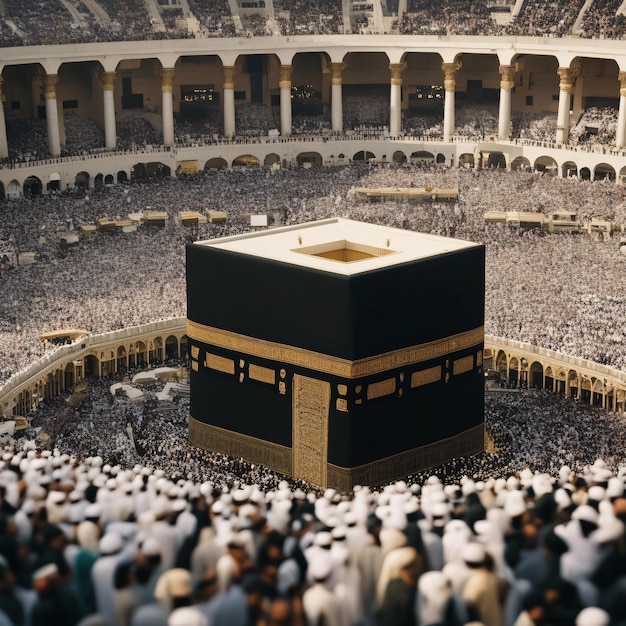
187	616
150	547
592	616
87	534
596	493
515	504
173	583
586	513
615	488
321	567
473	553
111	543
46	570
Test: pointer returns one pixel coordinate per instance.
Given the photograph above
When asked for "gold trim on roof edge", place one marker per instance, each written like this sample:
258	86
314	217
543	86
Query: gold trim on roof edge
328	364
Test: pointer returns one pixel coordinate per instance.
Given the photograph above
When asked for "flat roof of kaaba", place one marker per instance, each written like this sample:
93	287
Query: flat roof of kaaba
339	245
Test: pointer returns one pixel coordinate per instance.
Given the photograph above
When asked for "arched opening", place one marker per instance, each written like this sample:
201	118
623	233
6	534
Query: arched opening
92	366
363	155
156	350
184	347
309	159
549	379
585	390
572	384
69	376
536	375
466	160
14	189
514	371
622	176
122	360
521	164
144	171
569	169
171	347
54	183
501	365
604	172
272	160
122	177
32	187
81	180
98	181
585	173
598	393
422	156
140	354
496	160
547	165
107	361
2	195
441	158
246	161
216	164
399	157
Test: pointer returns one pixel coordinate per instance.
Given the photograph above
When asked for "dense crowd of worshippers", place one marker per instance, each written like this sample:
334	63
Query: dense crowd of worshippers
104	529
53	22
563	292
365	111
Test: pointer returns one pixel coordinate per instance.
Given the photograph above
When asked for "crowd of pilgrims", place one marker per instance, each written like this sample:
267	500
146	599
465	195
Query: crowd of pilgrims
54	22
112	530
365	111
108	530
564	292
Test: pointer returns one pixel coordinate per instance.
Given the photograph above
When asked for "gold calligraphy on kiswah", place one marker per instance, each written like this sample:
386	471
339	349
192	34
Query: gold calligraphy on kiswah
327	364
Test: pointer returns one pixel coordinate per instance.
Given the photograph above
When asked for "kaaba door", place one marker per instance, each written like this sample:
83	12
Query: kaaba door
311	404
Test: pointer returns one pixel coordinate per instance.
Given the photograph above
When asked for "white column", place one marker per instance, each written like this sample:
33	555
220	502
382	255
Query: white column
52	114
620	134
167	82
108	95
449	84
395	99
507	82
285	100
566	88
336	96
4	147
229	101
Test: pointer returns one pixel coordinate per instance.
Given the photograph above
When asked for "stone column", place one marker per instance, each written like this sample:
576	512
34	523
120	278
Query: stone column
4	147
507	82
395	101
52	114
336	99
566	88
110	131
167	81
620	134
449	84
229	101
285	100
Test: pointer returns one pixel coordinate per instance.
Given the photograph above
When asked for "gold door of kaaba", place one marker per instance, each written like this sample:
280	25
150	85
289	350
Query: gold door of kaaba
311	404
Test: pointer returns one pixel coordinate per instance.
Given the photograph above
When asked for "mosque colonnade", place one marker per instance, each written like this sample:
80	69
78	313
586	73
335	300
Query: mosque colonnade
118	351
293	74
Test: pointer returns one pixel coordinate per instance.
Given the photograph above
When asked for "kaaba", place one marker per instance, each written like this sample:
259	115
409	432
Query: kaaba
337	352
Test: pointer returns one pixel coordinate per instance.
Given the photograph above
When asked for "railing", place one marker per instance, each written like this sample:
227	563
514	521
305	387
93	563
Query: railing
361	135
82	346
61	355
